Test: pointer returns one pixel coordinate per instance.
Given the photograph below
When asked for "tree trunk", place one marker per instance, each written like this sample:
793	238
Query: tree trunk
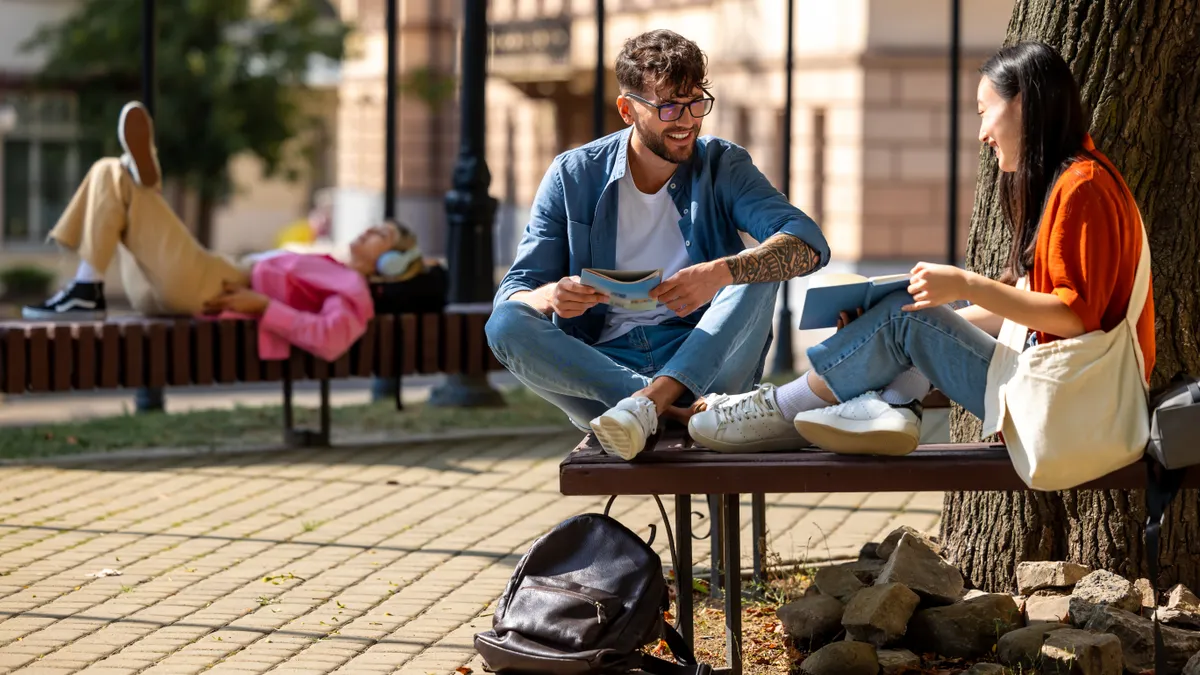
1135	61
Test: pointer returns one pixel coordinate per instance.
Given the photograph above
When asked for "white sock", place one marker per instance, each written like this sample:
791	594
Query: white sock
908	386
88	274
796	397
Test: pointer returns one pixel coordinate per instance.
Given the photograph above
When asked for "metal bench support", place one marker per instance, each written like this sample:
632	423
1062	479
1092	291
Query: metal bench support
304	438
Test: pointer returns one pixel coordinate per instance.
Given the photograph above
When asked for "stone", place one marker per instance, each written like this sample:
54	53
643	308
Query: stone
898	661
1083	652
986	669
973	593
1023	647
1102	589
888	545
1193	665
1034	576
869	550
1137	639
812	621
1183	608
1146	589
1047	609
879	615
921	569
966	629
838	582
842	658
866	569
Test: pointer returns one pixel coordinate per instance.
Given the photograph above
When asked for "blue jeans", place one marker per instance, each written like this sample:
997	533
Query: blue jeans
886	341
723	352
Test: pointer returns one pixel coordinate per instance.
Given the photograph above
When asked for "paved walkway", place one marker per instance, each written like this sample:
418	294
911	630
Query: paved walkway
382	559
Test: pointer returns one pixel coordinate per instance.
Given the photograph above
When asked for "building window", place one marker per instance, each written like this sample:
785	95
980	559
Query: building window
43	161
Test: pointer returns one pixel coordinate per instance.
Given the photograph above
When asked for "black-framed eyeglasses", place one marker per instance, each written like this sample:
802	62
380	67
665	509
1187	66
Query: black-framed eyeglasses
671	110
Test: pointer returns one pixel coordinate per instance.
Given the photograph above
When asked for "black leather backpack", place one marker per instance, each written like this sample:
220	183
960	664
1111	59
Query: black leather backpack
585	599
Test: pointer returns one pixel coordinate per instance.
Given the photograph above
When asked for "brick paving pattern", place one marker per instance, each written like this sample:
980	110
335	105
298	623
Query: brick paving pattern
377	560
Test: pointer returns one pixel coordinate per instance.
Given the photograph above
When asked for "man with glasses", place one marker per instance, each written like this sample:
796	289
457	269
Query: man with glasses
653	196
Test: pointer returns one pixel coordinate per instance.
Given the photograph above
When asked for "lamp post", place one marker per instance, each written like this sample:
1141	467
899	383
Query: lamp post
785	358
952	178
148	399
470	210
598	92
383	388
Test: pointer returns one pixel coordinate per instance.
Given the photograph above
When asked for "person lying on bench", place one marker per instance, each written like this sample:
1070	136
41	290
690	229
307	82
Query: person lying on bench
312	301
1077	240
653	196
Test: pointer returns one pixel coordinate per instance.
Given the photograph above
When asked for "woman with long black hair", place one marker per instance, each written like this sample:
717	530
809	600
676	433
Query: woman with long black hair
1077	241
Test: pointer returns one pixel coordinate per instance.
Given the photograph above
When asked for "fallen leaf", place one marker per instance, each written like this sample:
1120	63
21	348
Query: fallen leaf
106	572
463	670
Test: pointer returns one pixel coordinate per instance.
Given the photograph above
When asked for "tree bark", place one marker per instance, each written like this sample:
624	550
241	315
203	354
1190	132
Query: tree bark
1135	61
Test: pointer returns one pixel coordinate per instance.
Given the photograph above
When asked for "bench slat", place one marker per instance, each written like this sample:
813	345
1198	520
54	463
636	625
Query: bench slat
14	361
477	349
86	350
670	469
38	347
156	370
202	355
430	343
362	354
408	345
254	368
63	358
180	349
110	357
132	373
452	342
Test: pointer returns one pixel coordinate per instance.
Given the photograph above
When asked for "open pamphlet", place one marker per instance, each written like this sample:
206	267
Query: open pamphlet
627	289
829	295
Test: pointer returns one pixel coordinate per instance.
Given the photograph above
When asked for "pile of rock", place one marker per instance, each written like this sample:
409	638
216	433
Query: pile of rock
901	599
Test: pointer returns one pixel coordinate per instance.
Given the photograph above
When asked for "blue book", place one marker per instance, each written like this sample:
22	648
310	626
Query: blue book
626	289
829	295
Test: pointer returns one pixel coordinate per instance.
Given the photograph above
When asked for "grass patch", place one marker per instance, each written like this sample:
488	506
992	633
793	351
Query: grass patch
256	426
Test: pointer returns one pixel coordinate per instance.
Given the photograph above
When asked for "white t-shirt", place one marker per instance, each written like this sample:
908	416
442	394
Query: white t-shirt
648	238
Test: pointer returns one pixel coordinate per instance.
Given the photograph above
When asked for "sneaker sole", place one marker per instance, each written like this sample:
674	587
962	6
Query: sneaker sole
616	439
857	437
135	130
771	445
73	315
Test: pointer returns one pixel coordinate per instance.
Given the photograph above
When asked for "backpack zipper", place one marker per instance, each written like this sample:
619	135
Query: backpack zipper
600	615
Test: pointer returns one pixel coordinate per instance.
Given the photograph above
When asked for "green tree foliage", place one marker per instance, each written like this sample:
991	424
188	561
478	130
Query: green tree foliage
228	79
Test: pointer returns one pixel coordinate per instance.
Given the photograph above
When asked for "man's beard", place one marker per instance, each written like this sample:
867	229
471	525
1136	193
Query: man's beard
658	145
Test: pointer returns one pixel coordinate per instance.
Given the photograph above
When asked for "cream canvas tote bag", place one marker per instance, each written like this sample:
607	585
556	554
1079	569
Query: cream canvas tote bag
1075	409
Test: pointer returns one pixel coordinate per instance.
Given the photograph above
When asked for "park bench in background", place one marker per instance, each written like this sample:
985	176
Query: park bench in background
676	468
133	352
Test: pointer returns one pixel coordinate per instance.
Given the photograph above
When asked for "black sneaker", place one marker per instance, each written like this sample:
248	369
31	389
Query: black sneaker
81	301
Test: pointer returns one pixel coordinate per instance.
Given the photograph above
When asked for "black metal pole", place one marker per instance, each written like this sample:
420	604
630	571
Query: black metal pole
952	178
598	91
386	388
785	358
148	399
470	210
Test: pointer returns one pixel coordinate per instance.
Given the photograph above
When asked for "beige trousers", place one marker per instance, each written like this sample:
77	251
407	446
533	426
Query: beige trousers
163	268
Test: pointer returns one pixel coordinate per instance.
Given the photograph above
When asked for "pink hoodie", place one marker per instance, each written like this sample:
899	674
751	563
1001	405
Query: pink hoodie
317	304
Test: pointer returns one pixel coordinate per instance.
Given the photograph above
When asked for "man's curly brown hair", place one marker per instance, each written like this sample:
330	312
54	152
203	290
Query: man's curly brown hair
662	62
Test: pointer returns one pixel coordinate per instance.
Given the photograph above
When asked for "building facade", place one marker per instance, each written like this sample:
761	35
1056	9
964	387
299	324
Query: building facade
870	118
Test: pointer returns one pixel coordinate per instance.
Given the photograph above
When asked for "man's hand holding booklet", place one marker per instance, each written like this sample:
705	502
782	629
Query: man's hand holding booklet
626	289
831	294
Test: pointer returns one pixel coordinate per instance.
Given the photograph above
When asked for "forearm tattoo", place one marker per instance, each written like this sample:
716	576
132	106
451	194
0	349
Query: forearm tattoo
779	258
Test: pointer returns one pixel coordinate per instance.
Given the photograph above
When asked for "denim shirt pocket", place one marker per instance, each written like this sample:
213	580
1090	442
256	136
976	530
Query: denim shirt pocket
579	245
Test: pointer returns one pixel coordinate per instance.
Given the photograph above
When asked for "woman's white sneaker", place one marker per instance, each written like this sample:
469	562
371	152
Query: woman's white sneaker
624	428
750	422
866	425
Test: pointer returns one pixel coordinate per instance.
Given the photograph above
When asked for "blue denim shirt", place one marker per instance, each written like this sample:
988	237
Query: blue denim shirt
573	224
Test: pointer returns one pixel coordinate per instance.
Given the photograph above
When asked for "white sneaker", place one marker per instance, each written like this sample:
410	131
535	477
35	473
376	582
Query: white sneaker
866	425
624	428
749	422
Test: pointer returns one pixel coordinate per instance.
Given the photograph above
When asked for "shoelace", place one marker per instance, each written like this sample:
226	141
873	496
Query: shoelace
750	407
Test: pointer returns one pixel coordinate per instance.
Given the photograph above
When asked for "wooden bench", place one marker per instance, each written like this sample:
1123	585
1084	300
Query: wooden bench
133	352
675	467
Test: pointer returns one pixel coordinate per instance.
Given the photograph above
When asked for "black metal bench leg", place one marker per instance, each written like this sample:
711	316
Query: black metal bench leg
758	526
733	585
715	525
683	575
304	438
